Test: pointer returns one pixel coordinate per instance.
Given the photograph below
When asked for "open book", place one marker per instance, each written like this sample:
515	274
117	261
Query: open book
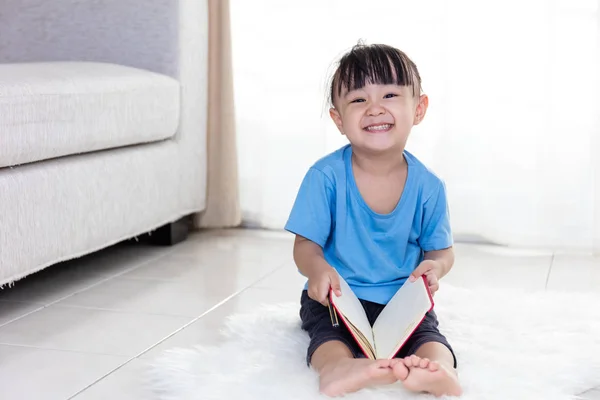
394	325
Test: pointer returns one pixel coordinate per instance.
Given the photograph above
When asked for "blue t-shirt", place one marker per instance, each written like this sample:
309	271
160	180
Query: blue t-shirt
375	253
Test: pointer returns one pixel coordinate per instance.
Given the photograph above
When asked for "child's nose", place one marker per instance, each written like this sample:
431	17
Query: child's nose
375	109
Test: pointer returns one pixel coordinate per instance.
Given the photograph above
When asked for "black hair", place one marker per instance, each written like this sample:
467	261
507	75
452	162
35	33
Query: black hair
376	64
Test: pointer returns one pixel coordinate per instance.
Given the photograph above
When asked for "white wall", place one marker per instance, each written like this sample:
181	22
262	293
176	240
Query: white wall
512	125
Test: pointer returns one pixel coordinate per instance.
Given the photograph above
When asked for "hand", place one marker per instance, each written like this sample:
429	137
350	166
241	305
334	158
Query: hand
427	268
320	283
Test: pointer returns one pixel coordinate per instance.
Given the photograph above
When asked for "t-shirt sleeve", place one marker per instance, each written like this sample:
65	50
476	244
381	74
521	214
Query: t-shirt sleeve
436	233
312	210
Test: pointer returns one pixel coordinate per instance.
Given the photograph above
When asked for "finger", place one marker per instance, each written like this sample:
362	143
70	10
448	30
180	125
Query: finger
434	288
335	284
324	293
433	282
420	270
430	272
431	277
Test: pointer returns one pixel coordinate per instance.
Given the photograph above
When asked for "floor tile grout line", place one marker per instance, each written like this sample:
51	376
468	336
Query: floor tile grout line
116	275
21	302
274	271
88	287
116	311
196	319
260	279
154	279
160	342
92	353
42	306
549	271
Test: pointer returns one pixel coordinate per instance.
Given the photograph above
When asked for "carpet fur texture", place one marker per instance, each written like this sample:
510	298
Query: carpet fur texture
510	345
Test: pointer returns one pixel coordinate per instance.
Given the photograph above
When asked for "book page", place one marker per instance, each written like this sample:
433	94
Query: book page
400	317
363	342
351	308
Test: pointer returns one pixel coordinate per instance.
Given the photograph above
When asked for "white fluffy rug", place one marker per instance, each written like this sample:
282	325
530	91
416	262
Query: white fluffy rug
510	345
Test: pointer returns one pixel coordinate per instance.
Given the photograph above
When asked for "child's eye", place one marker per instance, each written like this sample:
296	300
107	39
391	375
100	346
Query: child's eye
390	95
357	101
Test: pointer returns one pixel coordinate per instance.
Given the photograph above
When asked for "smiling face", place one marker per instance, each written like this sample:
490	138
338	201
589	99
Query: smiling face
378	117
376	98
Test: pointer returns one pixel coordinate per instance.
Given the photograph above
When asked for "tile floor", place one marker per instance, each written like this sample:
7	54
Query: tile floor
86	329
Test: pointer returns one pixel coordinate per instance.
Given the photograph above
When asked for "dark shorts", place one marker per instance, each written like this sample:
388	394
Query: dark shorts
317	322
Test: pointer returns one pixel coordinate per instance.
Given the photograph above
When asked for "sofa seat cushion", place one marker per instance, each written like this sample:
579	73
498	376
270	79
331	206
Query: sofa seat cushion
56	109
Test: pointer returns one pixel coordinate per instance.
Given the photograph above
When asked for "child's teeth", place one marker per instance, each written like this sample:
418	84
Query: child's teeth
378	127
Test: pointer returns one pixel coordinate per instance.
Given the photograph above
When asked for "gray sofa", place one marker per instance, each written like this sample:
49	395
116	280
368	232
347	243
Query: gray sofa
102	124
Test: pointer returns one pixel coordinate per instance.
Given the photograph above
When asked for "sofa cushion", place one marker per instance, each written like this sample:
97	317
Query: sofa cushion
55	109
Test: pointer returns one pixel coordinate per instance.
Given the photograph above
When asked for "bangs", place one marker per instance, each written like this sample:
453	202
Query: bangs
374	64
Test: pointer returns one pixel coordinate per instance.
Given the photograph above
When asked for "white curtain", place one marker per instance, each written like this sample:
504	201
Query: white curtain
512	127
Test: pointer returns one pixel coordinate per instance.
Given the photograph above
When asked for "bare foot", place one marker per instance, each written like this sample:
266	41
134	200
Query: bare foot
400	369
431	377
350	375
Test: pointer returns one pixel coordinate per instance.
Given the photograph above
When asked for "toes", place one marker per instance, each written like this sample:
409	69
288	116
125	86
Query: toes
384	363
424	363
434	366
415	360
400	371
412	361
